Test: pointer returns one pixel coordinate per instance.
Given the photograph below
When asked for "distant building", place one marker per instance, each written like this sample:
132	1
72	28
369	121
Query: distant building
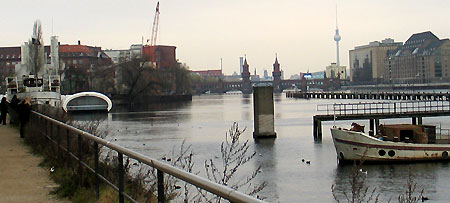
136	51
118	56
76	56
423	58
315	75
232	78
207	73
254	77
83	56
367	61
241	64
9	57
266	76
336	71
162	56
295	77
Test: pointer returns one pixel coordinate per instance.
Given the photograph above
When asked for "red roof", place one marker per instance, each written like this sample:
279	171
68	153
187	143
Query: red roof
75	49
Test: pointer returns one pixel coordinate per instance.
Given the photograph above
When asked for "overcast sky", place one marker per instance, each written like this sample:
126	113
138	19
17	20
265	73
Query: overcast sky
299	31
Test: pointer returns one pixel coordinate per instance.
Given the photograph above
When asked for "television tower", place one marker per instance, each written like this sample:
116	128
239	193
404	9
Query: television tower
337	38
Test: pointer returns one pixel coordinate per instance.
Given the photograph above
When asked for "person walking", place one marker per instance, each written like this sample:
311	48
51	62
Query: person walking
24	109
4	110
12	110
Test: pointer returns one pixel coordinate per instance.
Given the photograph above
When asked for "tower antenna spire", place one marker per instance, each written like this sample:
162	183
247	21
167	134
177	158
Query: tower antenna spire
337	38
336	17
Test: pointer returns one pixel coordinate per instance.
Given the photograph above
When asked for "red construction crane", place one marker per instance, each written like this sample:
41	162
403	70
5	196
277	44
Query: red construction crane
155	26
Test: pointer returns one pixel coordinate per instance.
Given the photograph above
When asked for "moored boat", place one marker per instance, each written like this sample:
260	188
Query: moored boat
394	143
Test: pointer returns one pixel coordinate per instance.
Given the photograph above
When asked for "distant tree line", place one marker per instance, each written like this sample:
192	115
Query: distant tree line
131	79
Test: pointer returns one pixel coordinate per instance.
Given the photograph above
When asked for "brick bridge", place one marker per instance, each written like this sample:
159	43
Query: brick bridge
245	85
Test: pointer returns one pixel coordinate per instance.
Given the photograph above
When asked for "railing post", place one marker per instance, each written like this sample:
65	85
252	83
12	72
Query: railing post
68	148
46	127
58	141
371	126
161	197
50	134
97	180
80	158
121	174
315	128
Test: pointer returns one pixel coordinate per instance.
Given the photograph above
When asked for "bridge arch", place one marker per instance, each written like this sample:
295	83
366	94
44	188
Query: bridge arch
87	101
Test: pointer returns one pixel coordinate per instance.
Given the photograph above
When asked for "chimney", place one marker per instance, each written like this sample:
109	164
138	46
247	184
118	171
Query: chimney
79	42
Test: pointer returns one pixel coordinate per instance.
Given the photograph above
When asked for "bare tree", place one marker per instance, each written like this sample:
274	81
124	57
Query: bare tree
138	78
182	79
36	49
234	155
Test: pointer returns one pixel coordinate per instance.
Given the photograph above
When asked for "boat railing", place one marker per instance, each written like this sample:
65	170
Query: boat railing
373	108
442	133
46	127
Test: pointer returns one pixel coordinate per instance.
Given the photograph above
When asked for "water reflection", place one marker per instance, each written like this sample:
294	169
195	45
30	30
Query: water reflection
89	116
154	130
266	158
247	98
277	97
150	107
390	180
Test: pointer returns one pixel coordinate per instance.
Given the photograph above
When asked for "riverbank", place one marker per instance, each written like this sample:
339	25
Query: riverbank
22	180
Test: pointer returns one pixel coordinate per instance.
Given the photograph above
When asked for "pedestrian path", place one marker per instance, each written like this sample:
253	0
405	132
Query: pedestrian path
21	179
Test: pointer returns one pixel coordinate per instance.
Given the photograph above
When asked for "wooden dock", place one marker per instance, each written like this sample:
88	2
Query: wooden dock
375	111
418	96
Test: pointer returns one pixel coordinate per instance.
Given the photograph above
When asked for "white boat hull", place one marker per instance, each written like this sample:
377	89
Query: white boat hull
357	146
48	98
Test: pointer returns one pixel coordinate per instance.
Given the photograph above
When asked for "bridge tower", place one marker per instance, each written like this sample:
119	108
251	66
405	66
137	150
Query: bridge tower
276	77
246	83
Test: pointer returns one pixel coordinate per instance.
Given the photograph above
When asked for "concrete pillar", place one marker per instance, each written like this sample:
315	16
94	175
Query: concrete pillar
314	128
371	127
263	109
377	126
317	129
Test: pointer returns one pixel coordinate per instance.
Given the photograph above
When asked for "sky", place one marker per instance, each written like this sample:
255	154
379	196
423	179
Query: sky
299	32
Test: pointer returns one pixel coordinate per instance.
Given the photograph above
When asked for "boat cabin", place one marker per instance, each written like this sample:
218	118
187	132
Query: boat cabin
421	134
32	82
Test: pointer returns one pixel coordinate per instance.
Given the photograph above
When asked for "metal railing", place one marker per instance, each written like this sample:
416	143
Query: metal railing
442	133
42	122
369	108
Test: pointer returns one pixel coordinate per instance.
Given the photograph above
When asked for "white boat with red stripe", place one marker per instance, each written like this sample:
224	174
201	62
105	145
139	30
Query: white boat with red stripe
393	143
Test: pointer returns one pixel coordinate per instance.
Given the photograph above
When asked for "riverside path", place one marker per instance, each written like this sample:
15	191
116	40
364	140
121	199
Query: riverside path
21	179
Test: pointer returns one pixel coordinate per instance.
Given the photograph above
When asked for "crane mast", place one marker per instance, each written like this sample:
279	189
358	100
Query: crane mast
155	26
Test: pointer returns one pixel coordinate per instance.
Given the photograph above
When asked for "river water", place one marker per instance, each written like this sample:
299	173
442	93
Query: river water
155	130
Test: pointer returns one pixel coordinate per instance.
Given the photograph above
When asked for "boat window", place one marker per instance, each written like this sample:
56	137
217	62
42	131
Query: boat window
406	135
381	152
391	153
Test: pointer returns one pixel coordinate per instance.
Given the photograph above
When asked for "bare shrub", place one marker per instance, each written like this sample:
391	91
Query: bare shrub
410	195
234	155
360	192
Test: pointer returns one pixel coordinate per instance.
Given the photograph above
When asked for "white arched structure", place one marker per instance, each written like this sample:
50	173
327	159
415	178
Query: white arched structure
87	104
